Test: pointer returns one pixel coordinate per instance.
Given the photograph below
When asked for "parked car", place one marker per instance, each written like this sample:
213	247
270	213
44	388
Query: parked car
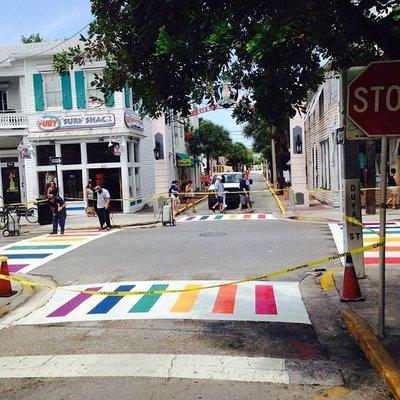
231	182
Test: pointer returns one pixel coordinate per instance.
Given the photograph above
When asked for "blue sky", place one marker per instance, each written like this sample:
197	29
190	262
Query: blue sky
59	19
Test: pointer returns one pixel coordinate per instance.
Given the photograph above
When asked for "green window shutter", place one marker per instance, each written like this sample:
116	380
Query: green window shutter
80	89
109	99
38	91
128	99
66	91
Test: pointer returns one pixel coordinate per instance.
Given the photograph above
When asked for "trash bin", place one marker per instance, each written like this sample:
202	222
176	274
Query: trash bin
45	216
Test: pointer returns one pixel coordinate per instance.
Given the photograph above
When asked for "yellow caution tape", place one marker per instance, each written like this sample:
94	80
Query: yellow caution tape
27	281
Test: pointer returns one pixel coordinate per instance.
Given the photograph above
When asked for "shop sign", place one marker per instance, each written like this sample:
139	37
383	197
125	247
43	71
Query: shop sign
185	162
55	160
50	123
25	153
133	121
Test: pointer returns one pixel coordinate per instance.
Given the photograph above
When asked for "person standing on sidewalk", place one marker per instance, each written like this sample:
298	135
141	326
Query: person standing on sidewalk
189	196
393	188
244	194
103	207
89	196
57	206
174	195
219	194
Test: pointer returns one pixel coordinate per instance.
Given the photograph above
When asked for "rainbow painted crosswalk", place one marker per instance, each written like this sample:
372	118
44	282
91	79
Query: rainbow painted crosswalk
26	255
372	257
251	301
226	217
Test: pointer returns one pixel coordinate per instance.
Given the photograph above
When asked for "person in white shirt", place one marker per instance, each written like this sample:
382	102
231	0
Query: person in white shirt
103	207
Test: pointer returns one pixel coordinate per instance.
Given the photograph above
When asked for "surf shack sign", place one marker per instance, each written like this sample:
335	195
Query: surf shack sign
51	122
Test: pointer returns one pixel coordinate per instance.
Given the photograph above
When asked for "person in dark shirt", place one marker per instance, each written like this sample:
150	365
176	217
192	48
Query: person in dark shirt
244	193
57	206
393	188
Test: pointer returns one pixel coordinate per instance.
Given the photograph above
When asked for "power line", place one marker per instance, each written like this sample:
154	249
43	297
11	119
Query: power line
51	48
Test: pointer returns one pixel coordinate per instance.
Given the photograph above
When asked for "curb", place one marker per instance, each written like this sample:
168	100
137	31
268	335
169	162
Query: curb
24	293
373	350
146	223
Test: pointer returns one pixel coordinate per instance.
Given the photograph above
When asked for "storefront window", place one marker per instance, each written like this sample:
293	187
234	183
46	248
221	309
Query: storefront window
44	152
101	153
71	154
131	183
137	181
72	181
45	177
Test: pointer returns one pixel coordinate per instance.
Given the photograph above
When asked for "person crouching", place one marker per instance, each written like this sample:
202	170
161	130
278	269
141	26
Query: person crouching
57	206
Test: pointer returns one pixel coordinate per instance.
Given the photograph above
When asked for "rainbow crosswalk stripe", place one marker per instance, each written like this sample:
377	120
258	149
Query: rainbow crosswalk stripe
251	301
226	217
26	255
372	257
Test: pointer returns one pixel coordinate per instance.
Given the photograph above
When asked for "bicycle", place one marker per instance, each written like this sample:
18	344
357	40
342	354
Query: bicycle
30	213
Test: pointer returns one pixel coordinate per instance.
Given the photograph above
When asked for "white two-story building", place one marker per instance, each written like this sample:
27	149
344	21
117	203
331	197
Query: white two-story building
98	137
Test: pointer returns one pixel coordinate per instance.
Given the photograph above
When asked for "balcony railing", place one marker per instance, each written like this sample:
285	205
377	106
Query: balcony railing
13	120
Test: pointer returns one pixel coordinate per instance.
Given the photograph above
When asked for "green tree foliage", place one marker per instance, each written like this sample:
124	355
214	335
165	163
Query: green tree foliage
239	156
33	38
262	132
209	139
172	52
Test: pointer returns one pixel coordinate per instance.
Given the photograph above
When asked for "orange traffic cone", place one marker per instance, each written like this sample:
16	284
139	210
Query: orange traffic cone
5	285
351	288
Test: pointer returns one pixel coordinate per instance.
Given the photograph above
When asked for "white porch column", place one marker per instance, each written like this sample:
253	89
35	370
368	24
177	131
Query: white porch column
124	175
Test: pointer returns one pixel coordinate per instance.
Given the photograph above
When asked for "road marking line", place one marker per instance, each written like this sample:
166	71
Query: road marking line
70	305
244	369
225	302
110	301
186	300
147	301
230	303
265	300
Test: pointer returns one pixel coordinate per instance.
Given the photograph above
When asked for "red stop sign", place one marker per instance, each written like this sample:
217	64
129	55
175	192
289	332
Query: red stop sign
374	99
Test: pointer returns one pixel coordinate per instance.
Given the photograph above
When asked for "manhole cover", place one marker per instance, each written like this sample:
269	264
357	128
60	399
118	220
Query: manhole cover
213	234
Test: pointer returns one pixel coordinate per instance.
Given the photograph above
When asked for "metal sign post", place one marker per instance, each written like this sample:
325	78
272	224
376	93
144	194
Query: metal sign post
382	236
352	233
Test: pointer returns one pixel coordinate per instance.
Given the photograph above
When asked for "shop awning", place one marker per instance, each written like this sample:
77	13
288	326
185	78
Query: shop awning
184	160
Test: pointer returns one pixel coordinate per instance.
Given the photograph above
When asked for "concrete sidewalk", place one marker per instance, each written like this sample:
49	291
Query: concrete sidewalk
361	318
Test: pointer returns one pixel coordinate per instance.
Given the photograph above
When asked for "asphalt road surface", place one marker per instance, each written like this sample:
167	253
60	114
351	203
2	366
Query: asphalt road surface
111	346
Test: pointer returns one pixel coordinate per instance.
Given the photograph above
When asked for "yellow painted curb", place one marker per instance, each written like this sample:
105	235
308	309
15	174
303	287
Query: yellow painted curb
278	202
327	280
333	393
373	350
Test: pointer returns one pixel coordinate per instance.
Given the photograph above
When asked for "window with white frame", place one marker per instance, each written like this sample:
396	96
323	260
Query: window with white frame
325	165
52	90
94	95
333	89
137	181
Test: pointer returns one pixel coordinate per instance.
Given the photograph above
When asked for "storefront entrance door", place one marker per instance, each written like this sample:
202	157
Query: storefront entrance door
11	188
110	179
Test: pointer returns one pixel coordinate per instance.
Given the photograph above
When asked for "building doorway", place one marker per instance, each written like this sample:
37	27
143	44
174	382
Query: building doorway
110	179
11	185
